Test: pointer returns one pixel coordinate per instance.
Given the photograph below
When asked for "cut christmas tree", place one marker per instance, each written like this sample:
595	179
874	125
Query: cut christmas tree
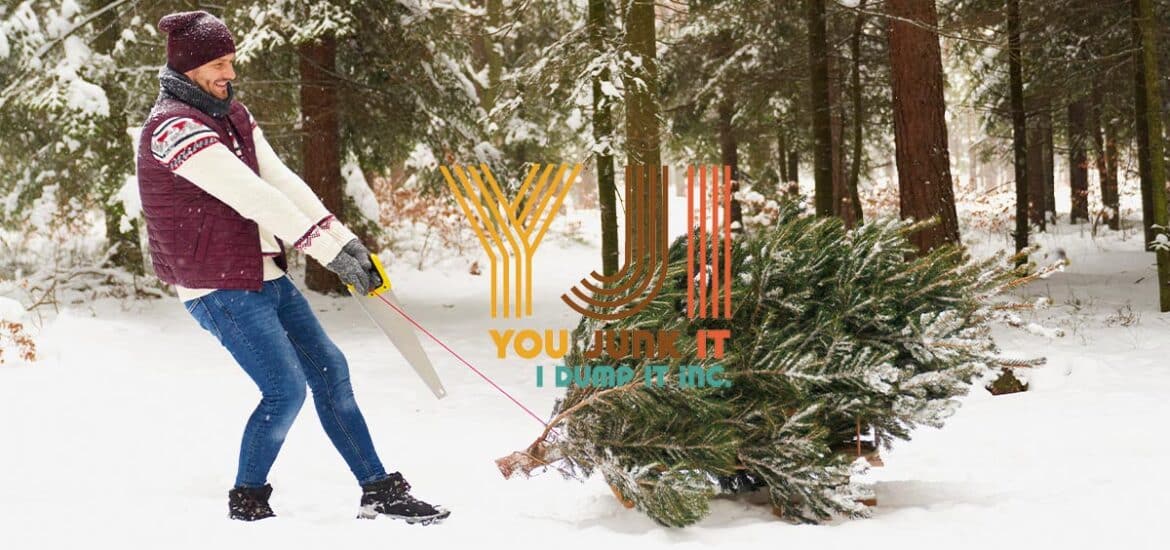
836	336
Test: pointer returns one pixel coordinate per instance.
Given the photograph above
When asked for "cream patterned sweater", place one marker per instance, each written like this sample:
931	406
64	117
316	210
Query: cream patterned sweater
278	200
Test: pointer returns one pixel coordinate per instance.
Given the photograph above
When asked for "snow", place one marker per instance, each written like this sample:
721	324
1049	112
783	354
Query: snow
80	95
131	202
11	310
125	432
358	189
574	121
607	88
5	49
1161	242
422	158
44	209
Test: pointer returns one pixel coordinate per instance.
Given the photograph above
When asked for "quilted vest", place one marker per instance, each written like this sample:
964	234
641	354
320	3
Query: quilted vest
196	240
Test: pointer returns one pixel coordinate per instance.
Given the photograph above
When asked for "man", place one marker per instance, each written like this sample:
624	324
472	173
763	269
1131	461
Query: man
219	206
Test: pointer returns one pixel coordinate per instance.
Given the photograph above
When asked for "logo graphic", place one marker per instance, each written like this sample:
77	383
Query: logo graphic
510	231
717	273
645	260
644	268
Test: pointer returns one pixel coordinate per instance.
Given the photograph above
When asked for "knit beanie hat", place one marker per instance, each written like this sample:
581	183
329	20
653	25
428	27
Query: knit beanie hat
195	38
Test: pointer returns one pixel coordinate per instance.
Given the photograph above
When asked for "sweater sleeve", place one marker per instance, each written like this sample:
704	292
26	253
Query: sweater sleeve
192	150
275	172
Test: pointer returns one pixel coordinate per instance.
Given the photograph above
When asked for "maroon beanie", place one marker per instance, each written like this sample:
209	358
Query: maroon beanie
195	38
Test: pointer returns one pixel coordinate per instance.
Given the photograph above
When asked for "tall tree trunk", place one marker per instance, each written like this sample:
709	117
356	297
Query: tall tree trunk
1097	132
1035	162
1019	125
1141	126
1078	168
603	131
920	128
729	153
321	143
794	169
728	146
978	179
641	85
641	101
112	129
842	198
782	156
1049	162
1149	48
1109	192
792	150
818	52
484	54
858	113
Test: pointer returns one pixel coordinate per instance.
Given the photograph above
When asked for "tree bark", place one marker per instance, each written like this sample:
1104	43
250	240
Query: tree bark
1019	126
603	130
858	113
818	51
794	169
728	145
321	143
729	153
1145	16
1078	169
1109	193
920	131
842	197
641	88
1142	128
642	142
782	154
1097	133
1049	162
1036	191
484	54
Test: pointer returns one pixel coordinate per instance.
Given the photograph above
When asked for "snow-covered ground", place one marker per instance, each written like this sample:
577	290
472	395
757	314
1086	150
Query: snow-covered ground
124	434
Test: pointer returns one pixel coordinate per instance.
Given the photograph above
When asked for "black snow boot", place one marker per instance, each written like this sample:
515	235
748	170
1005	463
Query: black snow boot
250	503
391	497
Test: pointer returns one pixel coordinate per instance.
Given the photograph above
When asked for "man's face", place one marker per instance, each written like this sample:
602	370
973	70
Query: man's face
214	75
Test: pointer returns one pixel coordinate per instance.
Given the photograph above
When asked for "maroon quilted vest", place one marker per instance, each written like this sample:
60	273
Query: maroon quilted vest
196	240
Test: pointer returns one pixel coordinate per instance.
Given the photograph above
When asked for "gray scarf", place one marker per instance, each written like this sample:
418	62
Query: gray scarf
177	86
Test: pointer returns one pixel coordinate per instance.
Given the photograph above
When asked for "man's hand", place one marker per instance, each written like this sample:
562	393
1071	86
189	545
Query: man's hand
355	248
354	267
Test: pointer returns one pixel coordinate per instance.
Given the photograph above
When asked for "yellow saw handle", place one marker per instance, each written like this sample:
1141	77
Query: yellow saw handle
381	273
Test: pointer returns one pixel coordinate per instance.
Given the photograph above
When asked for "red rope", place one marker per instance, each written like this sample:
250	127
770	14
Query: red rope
464	361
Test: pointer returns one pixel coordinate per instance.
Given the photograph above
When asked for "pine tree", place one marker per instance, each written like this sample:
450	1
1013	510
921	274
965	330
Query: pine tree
831	329
356	100
920	128
64	107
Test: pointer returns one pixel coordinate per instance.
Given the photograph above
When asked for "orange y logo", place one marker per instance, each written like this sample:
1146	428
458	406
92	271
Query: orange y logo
510	231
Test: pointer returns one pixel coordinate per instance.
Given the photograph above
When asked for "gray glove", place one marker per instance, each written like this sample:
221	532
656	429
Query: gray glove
354	267
356	249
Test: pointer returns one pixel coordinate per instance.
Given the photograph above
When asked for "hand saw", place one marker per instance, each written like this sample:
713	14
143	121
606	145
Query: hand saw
398	329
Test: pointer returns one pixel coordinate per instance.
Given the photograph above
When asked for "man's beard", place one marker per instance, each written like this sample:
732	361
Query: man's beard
176	85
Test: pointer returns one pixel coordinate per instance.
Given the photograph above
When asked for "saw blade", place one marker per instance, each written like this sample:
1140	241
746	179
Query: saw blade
403	336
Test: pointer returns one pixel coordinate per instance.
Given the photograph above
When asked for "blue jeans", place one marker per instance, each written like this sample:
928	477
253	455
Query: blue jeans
274	335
